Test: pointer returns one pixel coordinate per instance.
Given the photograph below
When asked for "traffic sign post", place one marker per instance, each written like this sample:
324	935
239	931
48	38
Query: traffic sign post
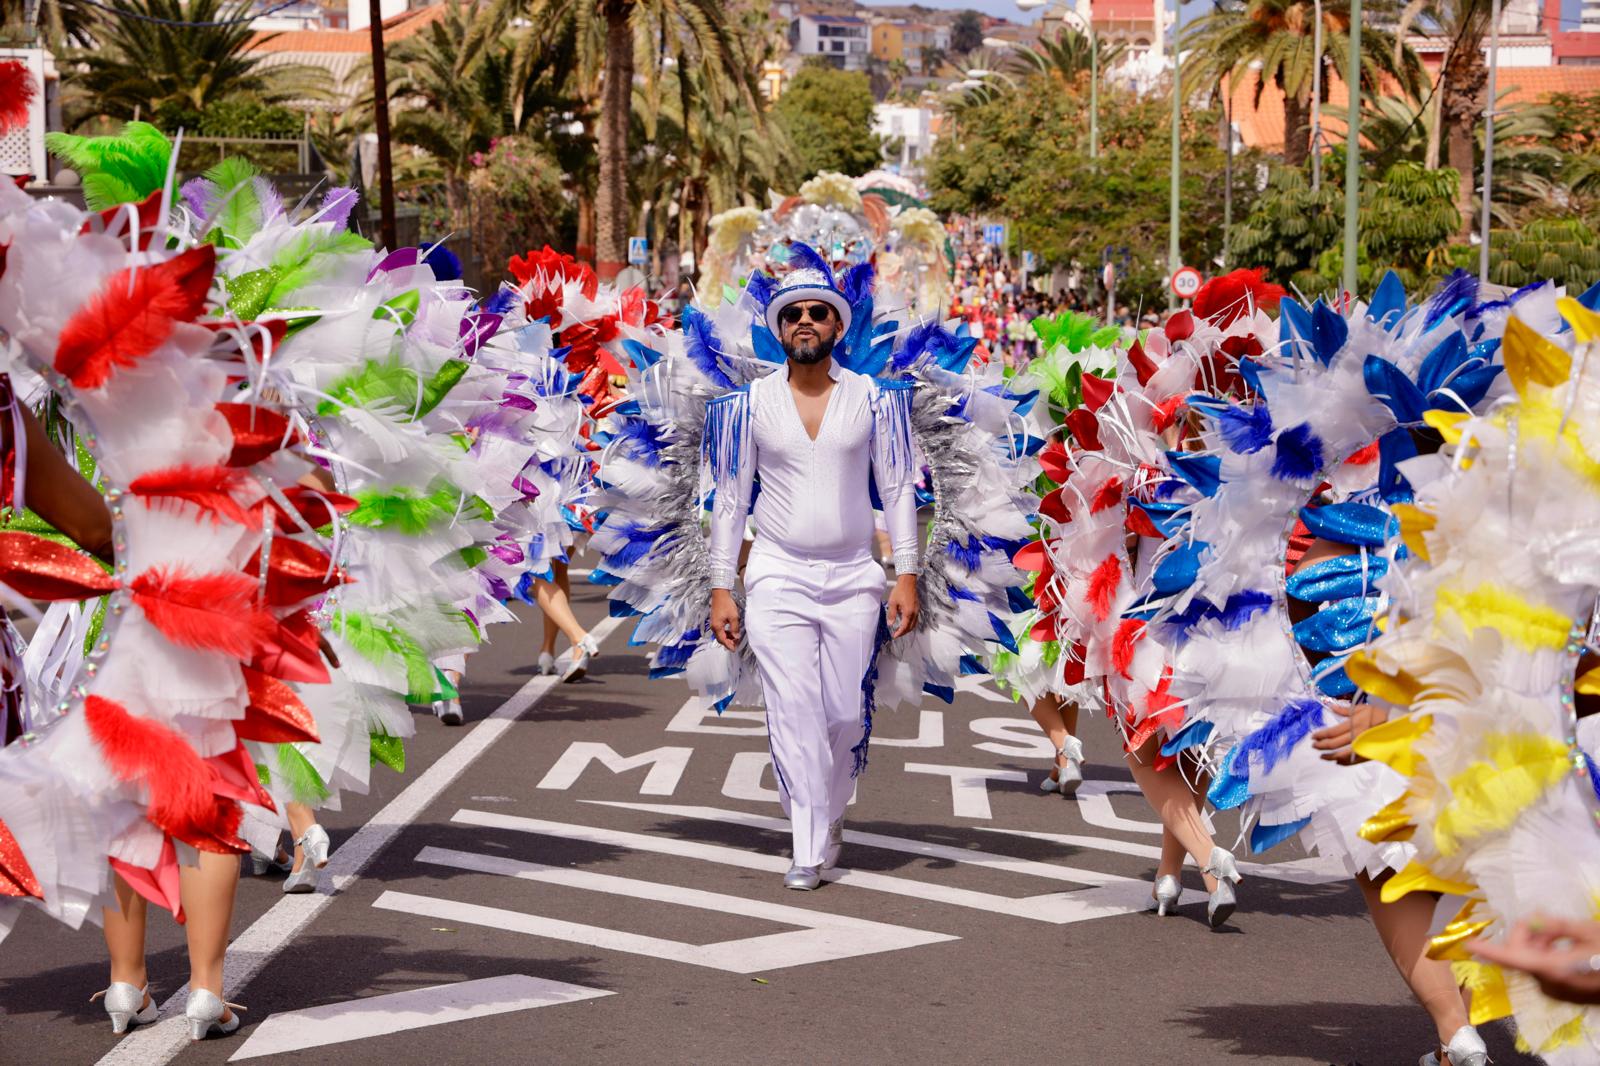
638	251
994	233
1186	281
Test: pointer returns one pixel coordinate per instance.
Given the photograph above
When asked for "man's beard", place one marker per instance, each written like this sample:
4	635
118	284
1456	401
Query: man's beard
807	352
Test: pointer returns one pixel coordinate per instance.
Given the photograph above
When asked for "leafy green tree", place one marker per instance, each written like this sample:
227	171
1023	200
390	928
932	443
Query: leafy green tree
1565	250
966	32
827	115
1407	217
1276	39
135	67
1022	153
1067	56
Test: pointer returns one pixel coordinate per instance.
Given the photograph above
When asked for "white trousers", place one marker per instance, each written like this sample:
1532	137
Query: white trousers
812	626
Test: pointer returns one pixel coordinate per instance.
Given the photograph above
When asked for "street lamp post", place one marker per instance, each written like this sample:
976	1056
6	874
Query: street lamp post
1174	259
1488	144
1352	153
1316	99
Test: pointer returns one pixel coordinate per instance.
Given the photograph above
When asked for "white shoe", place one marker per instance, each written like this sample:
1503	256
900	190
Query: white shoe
802	878
261	865
1466	1048
448	711
1165	897
126	1006
582	652
830	854
204	1012
1221	904
315	844
547	664
302	881
1069	778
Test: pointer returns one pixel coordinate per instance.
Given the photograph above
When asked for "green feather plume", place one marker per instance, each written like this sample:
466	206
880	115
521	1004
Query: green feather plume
124	169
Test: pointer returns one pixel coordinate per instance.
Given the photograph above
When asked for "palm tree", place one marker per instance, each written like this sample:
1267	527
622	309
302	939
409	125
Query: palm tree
1278	37
1460	91
1065	56
684	32
136	65
1525	165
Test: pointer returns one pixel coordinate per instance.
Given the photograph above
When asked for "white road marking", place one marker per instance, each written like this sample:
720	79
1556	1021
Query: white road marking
1122	896
969	786
698	716
945	853
1017	737
1094	804
746	780
666	766
157	1044
417	1008
1315	870
821	937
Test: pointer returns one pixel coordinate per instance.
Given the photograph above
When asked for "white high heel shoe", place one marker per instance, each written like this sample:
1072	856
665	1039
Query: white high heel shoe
1165	898
314	848
1466	1048
204	1012
1070	777
126	1006
582	652
1223	901
261	865
547	664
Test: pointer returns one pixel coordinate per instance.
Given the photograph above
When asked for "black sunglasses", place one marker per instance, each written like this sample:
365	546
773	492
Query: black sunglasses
793	313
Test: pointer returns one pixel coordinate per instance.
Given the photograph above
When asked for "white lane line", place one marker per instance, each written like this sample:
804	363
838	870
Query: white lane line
1125	896
987	859
416	1008
820	937
1312	871
157	1044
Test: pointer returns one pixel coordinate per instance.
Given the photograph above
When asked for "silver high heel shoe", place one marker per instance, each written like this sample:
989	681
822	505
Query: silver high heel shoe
126	1006
582	652
1070	776
204	1012
1166	895
547	664
1221	905
448	711
261	865
314	848
1466	1048
830	854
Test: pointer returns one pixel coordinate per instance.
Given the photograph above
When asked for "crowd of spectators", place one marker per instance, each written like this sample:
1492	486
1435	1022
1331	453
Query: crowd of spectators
993	296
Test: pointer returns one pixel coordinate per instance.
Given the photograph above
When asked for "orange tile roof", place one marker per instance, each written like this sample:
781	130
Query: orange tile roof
1260	121
395	29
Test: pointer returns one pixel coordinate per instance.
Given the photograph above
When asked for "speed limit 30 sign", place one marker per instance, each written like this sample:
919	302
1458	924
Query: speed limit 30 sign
1186	282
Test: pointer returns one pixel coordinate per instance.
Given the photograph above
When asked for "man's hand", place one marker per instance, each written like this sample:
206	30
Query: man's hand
902	605
1563	956
1335	741
725	619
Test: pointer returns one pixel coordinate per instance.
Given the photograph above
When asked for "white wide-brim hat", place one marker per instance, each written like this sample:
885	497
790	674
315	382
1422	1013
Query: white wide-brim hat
804	286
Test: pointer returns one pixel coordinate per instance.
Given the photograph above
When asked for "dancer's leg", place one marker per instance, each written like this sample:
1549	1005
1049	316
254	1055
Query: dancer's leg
557	611
300	818
207	892
849	632
1403	927
125	935
1178	807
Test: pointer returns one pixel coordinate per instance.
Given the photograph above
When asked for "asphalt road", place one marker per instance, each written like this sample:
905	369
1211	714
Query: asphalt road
591	873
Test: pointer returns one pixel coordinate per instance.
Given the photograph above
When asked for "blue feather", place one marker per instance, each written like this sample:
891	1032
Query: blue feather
1394	448
1246	429
760	286
1018	600
1472	385
1264	837
971	666
857	284
941	692
1002	633
804	257
1591	300
1299	454
1388	384
1204	472
641	441
1439	364
1456	294
703	347
1329	332
1389	302
1190	735
1234	613
618	609
1275	740
642	356
768	349
967	556
501	302
641	542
